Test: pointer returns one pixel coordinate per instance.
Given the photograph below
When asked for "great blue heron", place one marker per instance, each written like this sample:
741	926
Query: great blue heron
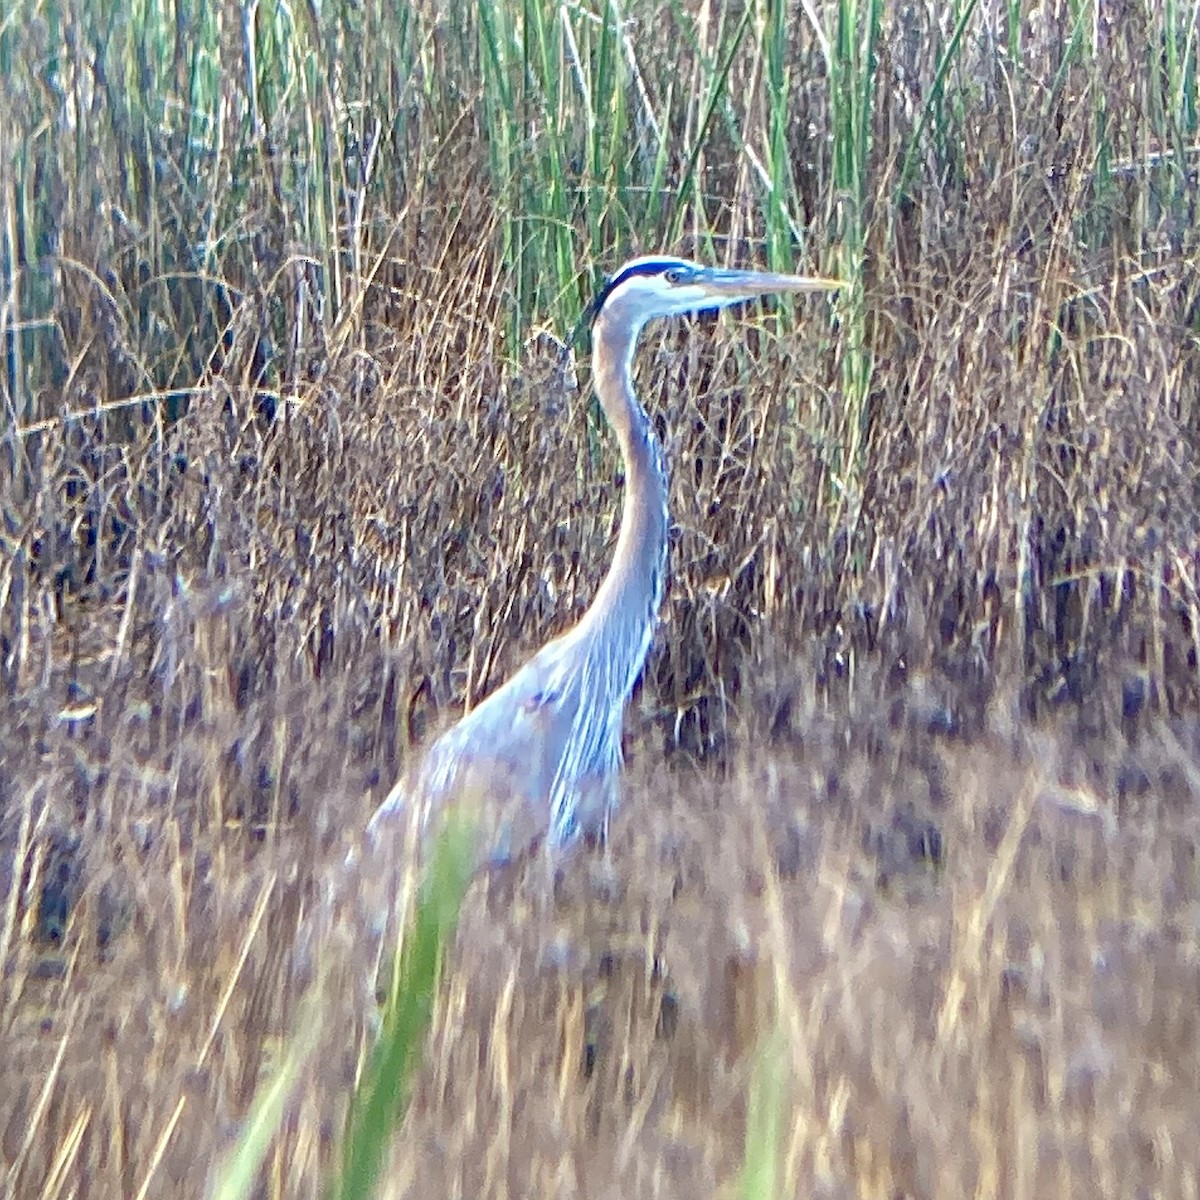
546	745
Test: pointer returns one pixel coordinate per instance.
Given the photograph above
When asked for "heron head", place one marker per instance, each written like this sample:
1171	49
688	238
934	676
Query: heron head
662	286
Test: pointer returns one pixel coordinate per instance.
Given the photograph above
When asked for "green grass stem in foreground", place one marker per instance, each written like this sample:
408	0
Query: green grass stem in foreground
766	1113
378	1105
238	1172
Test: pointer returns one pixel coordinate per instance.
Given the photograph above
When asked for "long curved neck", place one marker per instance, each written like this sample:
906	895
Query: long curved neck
622	615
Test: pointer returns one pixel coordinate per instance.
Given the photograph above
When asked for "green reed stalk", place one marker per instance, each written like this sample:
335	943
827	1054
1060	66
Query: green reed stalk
766	1111
1172	70
690	188
933	110
237	1174
852	67
780	229
530	113
379	1104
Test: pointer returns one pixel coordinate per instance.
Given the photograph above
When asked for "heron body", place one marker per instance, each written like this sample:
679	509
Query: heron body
545	747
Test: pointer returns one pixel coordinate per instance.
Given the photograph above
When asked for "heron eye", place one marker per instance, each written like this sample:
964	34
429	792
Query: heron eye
675	275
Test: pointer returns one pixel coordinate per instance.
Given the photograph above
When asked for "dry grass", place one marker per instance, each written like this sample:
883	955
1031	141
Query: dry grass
914	787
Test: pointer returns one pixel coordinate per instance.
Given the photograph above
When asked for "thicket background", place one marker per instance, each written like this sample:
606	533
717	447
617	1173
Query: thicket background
291	467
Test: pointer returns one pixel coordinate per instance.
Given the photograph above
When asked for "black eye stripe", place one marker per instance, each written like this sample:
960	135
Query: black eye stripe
653	266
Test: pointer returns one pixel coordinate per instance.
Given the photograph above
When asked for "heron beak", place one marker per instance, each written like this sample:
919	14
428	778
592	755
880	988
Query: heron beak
722	284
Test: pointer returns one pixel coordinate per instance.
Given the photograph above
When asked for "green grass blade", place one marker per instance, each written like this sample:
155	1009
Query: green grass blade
765	1120
378	1105
237	1175
714	92
947	60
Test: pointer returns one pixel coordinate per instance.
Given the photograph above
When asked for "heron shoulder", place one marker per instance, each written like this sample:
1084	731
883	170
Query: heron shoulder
518	710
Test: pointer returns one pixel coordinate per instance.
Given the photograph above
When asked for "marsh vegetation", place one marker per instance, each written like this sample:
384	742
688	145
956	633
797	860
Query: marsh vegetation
903	899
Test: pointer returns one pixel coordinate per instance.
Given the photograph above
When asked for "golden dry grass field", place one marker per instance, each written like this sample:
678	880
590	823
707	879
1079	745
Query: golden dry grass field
903	899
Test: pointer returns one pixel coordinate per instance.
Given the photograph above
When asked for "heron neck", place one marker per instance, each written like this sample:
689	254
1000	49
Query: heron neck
623	614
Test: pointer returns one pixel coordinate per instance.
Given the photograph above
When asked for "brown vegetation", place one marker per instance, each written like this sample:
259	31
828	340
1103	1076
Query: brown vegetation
914	786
